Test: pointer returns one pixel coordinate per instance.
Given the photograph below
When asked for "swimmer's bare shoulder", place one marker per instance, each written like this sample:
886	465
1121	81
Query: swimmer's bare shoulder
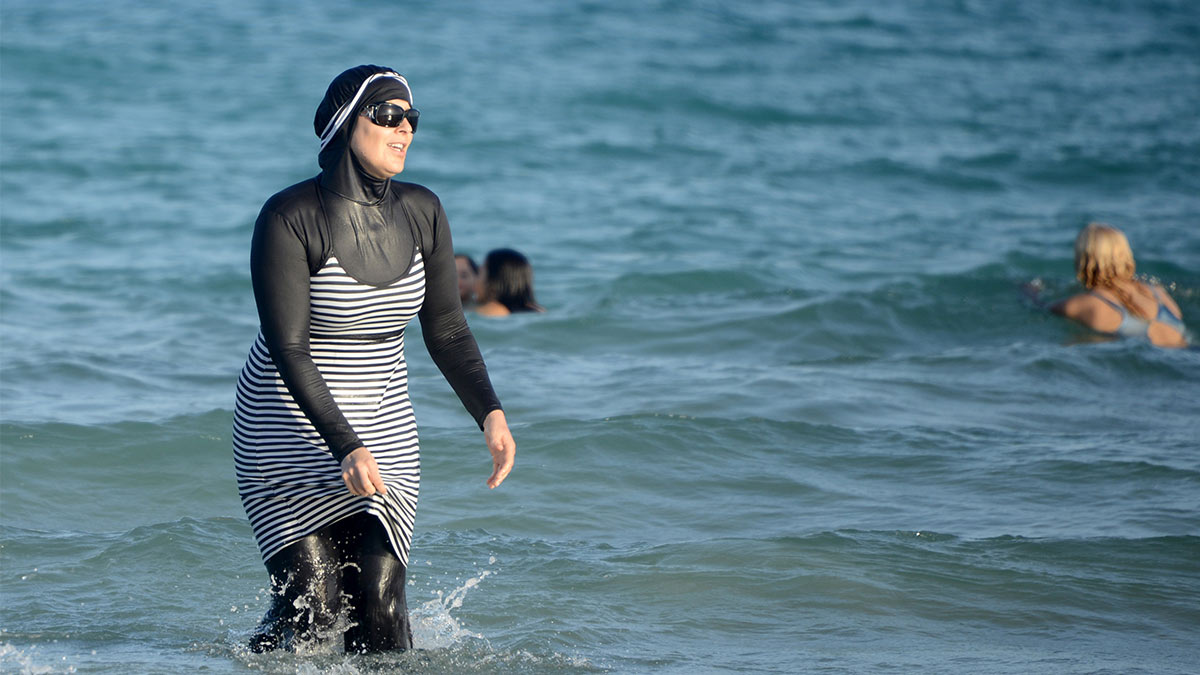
1074	306
1088	310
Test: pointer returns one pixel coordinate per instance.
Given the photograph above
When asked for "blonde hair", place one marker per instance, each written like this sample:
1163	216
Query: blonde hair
1103	258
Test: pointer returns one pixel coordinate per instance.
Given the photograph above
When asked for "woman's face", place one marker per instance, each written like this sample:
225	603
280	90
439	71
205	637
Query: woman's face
466	280
381	150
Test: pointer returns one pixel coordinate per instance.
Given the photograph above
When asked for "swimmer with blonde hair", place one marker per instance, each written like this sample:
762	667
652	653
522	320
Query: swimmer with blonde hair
1116	302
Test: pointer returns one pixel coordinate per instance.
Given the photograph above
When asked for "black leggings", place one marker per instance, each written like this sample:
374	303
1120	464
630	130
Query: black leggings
345	571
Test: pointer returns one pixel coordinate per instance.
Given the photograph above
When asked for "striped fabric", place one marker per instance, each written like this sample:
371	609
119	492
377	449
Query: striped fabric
289	482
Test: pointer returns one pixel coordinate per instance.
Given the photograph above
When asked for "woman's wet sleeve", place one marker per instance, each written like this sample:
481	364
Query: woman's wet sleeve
447	336
280	275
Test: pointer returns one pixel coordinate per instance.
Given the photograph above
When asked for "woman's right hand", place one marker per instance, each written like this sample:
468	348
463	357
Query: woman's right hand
361	473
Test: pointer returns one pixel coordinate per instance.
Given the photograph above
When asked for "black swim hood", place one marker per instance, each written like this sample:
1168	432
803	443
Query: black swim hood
341	171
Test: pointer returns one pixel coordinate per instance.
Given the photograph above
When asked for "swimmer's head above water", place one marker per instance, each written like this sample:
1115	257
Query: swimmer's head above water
1102	256
468	277
1116	302
506	284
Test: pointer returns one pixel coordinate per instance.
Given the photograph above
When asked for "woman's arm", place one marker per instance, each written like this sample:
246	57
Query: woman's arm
454	350
280	275
1089	311
447	336
1074	307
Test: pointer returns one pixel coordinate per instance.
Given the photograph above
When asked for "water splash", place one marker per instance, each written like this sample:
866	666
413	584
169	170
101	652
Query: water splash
306	629
20	662
434	627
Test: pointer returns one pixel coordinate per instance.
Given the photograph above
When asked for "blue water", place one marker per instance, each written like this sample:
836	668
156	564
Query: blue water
788	411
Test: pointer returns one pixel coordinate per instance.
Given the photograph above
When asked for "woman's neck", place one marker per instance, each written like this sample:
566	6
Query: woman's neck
492	308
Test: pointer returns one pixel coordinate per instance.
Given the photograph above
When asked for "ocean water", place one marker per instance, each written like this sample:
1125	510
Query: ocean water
789	410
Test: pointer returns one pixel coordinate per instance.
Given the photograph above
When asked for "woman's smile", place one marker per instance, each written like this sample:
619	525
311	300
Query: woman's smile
382	150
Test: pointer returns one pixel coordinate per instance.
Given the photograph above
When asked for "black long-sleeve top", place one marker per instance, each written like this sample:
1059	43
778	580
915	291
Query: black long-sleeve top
372	226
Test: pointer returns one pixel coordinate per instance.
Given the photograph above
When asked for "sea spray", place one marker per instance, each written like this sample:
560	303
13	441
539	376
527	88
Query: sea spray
433	625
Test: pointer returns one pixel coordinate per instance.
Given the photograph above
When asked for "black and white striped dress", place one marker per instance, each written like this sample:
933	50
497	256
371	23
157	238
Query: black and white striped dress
290	484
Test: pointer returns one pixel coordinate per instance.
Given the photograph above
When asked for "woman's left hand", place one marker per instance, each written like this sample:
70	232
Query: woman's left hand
360	473
502	446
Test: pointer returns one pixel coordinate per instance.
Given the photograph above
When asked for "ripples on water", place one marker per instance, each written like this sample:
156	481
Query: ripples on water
789	410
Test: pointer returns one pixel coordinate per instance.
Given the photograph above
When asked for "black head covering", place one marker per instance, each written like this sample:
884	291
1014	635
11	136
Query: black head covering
341	171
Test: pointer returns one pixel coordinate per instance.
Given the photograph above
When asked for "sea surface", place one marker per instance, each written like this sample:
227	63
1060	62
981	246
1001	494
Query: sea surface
789	410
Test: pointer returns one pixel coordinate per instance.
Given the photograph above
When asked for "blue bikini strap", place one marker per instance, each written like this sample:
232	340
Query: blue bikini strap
1110	303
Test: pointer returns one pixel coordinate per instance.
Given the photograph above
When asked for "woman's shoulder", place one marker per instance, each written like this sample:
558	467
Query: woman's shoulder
492	308
418	195
1090	308
423	208
293	198
1162	296
1075	305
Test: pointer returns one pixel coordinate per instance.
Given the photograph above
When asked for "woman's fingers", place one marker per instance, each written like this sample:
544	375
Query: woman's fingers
354	482
377	481
360	473
504	455
500	471
502	446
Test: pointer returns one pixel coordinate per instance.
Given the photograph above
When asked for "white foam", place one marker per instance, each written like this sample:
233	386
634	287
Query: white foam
11	657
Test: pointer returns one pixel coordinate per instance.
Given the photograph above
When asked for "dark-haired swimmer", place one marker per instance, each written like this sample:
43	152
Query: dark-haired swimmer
506	284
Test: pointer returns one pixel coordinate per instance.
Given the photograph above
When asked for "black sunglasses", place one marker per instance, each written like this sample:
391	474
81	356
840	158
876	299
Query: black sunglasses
391	115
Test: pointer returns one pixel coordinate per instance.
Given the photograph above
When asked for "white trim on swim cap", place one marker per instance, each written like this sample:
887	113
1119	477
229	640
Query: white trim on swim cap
343	113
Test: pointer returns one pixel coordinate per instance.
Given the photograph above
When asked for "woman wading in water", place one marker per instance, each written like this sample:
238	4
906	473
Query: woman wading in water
325	442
